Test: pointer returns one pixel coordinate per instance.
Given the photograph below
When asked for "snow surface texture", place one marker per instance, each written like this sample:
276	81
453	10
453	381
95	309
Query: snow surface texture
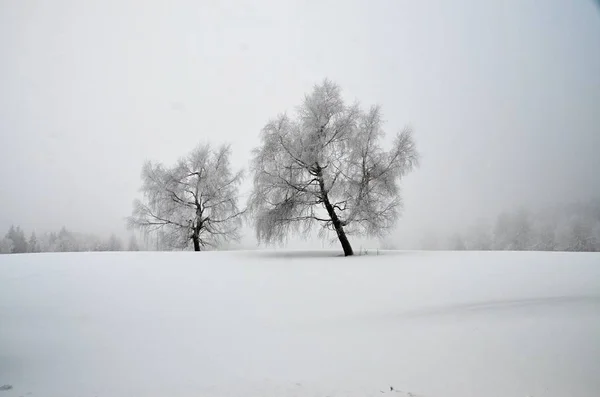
285	323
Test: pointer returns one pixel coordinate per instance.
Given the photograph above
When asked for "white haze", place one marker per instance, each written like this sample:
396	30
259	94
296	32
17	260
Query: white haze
503	97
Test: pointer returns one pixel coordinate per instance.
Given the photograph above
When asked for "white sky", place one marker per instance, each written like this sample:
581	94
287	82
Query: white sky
504	96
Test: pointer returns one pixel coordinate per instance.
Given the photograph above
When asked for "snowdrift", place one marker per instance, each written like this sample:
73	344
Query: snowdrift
300	323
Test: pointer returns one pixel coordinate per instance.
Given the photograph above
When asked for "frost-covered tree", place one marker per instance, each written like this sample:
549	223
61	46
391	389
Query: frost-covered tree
114	243
6	246
89	242
326	165
160	241
596	236
65	242
580	237
193	202
19	242
33	244
52	238
544	237
522	231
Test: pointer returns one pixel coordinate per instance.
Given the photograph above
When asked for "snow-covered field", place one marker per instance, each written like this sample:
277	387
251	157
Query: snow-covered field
300	323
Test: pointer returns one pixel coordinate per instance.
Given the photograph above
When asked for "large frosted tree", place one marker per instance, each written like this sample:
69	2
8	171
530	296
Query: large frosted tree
192	203
325	165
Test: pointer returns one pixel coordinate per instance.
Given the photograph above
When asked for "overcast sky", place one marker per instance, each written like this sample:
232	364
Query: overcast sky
504	96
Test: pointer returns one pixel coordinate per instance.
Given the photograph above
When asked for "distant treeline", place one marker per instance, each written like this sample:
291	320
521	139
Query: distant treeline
16	242
572	227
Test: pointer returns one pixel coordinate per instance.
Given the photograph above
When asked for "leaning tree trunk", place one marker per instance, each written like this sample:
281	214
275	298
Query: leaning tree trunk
196	241
337	224
344	240
339	229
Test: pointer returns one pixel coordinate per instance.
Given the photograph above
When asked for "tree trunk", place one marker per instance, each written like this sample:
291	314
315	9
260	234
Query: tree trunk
196	241
337	224
197	228
344	240
339	229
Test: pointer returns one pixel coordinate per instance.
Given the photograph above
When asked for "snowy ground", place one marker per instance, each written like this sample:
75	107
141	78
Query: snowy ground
439	324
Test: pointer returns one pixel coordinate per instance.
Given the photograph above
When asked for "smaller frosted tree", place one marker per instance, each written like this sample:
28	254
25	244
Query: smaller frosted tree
194	202
326	165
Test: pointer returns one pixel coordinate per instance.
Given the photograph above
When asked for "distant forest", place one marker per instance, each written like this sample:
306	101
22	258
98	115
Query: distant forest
16	242
571	227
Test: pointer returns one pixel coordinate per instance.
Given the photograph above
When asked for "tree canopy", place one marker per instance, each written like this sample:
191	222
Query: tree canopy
192	203
325	165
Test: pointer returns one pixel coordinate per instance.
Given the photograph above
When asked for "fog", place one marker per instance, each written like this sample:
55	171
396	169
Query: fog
504	97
